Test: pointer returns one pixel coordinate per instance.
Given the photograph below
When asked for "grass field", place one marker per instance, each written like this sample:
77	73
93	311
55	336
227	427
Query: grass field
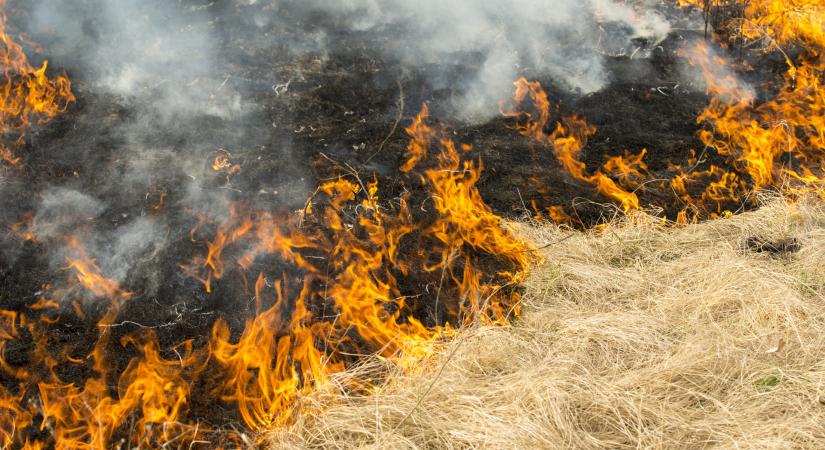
635	336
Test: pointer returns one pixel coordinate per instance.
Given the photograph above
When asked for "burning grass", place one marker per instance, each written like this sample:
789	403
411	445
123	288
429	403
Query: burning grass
333	284
633	336
27	94
639	333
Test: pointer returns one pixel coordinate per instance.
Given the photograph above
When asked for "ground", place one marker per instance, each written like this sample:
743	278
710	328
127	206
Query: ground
636	336
350	107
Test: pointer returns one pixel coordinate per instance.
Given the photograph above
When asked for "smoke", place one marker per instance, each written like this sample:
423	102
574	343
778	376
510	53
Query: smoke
158	102
163	51
141	241
562	39
178	61
168	52
62	211
66	218
708	70
188	77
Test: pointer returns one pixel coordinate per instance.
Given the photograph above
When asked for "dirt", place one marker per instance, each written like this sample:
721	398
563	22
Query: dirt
343	110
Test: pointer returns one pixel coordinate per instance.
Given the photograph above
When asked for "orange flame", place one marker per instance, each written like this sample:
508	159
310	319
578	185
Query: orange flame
88	273
342	270
567	141
27	95
278	357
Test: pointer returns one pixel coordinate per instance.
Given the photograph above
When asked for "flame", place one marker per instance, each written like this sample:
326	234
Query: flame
23	228
356	274
628	169
566	141
421	135
150	386
759	138
265	373
350	275
27	95
277	358
287	349
764	143
88	274
777	22
222	162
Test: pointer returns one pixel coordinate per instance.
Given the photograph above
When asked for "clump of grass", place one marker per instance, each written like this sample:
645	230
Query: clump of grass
693	340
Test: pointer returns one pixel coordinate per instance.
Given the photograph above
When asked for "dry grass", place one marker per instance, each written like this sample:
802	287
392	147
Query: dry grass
639	336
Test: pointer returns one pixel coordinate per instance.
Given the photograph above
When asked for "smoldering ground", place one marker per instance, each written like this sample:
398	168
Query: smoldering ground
292	93
163	86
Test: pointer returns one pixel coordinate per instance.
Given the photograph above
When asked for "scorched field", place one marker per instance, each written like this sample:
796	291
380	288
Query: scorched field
391	224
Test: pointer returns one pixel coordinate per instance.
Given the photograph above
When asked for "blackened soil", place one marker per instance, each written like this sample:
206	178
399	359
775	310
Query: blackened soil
317	117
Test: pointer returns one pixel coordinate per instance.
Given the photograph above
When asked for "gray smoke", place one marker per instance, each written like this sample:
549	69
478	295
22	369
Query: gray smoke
180	70
62	211
562	39
66	216
158	48
167	50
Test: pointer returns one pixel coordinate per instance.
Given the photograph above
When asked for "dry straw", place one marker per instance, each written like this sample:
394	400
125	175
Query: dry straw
636	336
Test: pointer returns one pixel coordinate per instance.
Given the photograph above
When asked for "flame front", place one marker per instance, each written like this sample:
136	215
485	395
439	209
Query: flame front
331	284
355	274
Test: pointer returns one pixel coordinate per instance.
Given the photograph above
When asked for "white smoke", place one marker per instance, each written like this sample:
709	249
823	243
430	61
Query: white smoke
144	48
180	69
562	39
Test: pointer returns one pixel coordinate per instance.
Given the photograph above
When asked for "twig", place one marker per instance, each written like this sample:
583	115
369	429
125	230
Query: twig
557	242
398	118
447	264
438	374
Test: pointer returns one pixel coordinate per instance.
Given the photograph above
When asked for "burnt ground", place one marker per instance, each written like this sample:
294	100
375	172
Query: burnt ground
340	106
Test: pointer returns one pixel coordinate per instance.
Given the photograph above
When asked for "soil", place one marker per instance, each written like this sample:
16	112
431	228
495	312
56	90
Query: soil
342	107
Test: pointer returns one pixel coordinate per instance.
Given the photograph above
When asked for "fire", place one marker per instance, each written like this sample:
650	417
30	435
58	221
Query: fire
151	386
777	22
88	274
628	169
27	95
87	415
760	138
355	272
765	143
222	162
350	275
567	141
266	373
287	349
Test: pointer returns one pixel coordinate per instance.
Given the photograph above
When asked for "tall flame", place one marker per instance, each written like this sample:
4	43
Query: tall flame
352	275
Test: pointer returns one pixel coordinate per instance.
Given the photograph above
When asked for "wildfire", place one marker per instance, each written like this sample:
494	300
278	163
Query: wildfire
352	275
27	95
769	142
766	143
287	349
357	273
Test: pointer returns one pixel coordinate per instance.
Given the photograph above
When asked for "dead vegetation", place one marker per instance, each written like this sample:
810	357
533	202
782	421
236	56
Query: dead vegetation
633	336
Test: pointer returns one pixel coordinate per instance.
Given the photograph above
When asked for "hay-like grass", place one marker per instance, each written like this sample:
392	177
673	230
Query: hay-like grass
635	336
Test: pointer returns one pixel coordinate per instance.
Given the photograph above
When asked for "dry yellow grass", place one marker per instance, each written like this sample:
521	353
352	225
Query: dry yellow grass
637	337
